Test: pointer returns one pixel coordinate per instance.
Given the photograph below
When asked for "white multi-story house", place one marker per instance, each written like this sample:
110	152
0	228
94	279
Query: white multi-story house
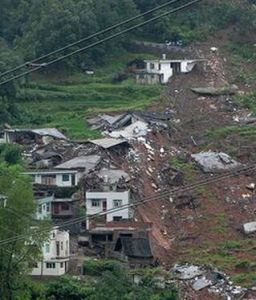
55	255
60	178
161	70
99	202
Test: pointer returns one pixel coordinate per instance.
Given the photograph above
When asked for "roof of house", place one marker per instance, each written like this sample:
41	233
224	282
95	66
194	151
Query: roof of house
107	143
53	132
81	162
52	171
136	247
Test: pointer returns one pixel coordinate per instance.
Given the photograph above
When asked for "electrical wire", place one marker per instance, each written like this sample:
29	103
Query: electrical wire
180	8
161	196
89	37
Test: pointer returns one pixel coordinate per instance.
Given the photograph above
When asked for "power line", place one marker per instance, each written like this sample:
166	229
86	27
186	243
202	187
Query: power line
89	37
233	173
101	41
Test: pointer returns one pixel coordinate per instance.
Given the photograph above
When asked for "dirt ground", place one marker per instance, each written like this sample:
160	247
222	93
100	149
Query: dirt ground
184	234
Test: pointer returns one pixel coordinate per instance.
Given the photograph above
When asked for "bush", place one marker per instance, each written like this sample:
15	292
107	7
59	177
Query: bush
10	153
97	267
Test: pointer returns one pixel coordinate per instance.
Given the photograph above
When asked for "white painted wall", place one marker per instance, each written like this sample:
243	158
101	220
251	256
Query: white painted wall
163	67
42	269
43	214
109	197
50	255
38	177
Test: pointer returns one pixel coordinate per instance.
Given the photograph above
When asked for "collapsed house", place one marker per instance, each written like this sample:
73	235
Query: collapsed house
128	241
159	71
129	125
40	136
115	146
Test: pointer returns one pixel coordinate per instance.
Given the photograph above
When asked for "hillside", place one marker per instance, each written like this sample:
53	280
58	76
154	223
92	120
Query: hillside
196	208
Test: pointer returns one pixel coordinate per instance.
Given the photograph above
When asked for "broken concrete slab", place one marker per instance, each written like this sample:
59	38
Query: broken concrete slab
212	162
187	272
213	91
201	283
133	131
249	227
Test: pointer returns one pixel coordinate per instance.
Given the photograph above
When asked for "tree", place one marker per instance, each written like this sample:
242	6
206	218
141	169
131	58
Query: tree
17	255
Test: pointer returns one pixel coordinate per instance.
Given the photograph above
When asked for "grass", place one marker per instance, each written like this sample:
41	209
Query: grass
225	256
66	103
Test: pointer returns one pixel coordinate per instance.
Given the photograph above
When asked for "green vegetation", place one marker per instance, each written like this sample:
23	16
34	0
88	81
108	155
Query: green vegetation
224	255
96	267
16	219
11	154
66	103
114	285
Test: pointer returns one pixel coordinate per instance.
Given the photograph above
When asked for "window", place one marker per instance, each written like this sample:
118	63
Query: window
53	234
152	66
117	218
95	203
50	265
44	207
48	207
65	177
40	209
117	203
64	206
47	248
61	245
61	265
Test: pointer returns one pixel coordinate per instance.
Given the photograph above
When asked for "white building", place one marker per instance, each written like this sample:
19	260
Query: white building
60	178
97	202
161	70
55	255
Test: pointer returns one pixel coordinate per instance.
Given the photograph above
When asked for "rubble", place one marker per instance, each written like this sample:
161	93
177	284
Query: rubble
201	277
249	227
211	162
133	131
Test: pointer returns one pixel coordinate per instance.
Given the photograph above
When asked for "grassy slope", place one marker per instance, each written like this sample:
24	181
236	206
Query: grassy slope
66	102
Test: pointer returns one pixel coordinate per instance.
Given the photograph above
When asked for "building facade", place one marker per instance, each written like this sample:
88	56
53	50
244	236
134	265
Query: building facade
99	202
60	178
55	255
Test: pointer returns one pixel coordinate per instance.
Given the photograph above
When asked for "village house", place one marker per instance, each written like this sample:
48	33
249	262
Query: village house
50	207
55	255
161	70
124	240
40	136
107	190
100	202
55	177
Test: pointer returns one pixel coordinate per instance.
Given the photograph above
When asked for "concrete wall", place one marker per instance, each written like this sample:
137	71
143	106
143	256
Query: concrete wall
58	179
187	66
109	197
60	268
50	255
44	214
161	67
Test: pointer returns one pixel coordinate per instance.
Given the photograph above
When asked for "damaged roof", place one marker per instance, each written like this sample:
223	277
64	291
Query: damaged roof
107	143
136	247
81	162
113	175
53	132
